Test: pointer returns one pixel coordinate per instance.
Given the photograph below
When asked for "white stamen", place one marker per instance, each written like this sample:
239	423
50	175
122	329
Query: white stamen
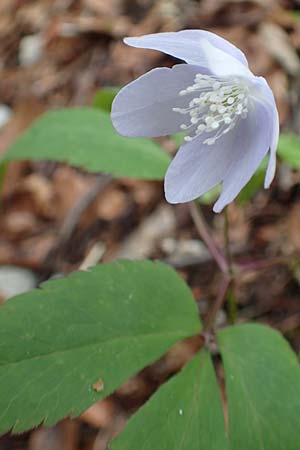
218	105
201	127
222	109
209	141
216	85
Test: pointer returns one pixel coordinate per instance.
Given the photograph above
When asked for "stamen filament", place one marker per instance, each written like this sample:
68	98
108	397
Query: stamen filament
219	105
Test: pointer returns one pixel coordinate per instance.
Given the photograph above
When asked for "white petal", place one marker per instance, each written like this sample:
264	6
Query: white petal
250	143
197	168
144	107
233	159
263	93
270	173
197	47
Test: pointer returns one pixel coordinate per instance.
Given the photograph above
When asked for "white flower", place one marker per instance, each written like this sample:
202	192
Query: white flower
229	115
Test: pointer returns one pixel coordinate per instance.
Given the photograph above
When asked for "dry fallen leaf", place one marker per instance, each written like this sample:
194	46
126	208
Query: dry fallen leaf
98	386
101	414
293	229
280	47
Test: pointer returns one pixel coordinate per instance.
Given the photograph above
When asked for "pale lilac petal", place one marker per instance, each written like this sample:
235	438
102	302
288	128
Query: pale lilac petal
270	173
196	169
234	158
250	143
143	108
146	108
187	47
197	47
220	43
266	95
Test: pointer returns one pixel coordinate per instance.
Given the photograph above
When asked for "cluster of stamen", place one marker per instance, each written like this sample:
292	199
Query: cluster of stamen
217	107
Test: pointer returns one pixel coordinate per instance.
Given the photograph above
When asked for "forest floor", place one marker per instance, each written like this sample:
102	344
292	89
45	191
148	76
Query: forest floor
60	53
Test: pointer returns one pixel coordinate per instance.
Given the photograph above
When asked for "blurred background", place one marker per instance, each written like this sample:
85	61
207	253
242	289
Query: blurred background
56	219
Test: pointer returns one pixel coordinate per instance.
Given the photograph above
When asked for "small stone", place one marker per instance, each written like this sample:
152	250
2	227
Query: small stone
30	49
16	280
5	115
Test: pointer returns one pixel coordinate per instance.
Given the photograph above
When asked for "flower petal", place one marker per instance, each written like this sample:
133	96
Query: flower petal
220	43
233	158
197	47
264	93
196	169
250	144
143	108
273	147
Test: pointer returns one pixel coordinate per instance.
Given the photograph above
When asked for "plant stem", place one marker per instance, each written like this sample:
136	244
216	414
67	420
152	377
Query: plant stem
223	287
230	294
207	238
258	265
231	303
227	242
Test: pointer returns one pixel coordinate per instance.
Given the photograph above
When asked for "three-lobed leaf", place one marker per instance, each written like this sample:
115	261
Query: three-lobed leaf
90	328
84	137
74	341
262	376
185	413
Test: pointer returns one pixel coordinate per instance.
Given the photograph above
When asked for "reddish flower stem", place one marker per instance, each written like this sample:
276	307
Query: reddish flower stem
207	238
257	265
223	287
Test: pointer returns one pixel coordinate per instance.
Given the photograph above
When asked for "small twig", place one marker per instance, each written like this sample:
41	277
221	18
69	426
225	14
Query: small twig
258	265
231	302
79	207
223	287
207	238
94	256
72	219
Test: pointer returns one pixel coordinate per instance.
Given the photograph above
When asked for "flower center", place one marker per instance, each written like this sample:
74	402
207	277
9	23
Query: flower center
216	108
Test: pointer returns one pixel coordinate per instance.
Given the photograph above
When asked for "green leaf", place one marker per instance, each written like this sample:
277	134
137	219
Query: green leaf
85	137
289	149
104	97
184	414
263	388
99	326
